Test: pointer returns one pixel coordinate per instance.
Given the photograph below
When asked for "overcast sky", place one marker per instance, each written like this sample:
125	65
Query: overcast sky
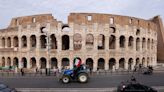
61	8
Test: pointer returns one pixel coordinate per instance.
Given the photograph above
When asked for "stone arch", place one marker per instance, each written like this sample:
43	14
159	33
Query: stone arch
43	63
33	41
144	62
24	41
89	62
77	41
65	62
122	63
53	41
148	44
8	42
130	64
65	27
122	41
112	63
3	42
101	63
54	62
112	30
65	42
130	42
143	43
89	40
137	44
112	42
24	62
8	61
15	62
101	42
137	62
33	62
3	62
43	41
16	41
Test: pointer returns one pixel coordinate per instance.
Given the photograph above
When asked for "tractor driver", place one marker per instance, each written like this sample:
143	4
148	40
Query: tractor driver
77	64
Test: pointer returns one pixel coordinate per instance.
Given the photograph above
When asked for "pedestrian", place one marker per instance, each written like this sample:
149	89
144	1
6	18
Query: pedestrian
22	71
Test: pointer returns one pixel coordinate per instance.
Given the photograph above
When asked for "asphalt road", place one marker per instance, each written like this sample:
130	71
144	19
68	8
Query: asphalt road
98	81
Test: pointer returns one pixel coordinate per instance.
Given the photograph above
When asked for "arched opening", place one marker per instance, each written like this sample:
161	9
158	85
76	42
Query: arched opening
89	63
65	27
137	44
144	62
122	42
43	63
89	41
65	42
143	43
33	41
148	44
130	43
53	42
8	42
24	41
77	40
65	62
3	42
16	42
3	61
130	63
121	63
54	63
43	41
138	32
15	62
112	42
101	63
24	62
112	30
8	61
101	42
137	62
112	63
33	62
43	29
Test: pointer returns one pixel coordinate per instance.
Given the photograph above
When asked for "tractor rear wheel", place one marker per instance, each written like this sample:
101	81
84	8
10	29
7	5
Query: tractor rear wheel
83	77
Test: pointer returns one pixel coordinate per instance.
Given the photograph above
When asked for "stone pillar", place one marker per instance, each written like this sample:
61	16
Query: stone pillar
95	42
12	62
12	42
28	63
19	62
6	42
126	64
71	62
71	42
59	43
59	63
134	44
37	42
20	43
126	43
106	64
117	44
83	42
106	42
95	65
38	63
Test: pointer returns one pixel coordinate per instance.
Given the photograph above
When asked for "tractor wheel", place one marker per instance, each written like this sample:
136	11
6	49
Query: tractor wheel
65	79
83	77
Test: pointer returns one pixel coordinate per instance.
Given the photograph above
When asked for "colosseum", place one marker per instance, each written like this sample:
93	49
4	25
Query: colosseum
102	41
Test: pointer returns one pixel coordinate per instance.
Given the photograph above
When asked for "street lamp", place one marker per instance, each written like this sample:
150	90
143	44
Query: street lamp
44	30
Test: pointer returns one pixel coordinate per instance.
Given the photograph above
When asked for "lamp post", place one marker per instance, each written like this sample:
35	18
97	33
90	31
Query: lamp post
48	50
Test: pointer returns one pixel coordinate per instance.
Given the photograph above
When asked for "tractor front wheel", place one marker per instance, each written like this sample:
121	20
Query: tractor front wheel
65	79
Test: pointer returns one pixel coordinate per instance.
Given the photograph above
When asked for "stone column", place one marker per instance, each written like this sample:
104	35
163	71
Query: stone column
106	42
71	43
117	64
20	43
19	62
134	44
6	42
28	43
95	42
117	44
106	64
95	65
126	43
83	42
12	42
28	63
126	64
38	62
12	62
59	43
59	63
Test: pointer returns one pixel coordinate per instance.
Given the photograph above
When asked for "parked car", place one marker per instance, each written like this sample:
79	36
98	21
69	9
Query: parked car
134	86
5	88
81	75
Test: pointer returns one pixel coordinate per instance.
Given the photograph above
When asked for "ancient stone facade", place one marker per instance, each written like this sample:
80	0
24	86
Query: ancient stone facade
102	41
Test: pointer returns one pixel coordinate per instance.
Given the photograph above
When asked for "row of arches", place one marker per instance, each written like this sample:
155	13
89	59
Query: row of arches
100	63
77	42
